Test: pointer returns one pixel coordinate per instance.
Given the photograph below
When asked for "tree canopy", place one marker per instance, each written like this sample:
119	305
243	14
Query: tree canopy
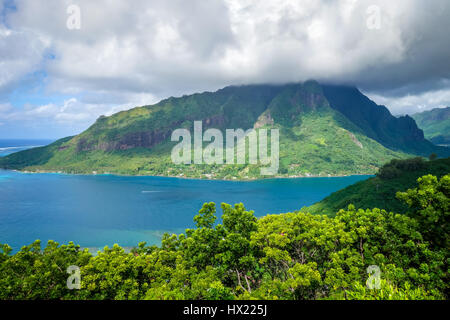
287	256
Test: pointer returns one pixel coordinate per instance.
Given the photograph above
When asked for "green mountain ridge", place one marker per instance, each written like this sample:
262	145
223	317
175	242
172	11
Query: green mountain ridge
320	134
377	122
435	124
379	192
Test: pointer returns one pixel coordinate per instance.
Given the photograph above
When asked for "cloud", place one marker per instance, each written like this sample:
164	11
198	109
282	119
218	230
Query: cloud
152	49
157	47
56	120
411	104
21	54
162	47
70	111
5	107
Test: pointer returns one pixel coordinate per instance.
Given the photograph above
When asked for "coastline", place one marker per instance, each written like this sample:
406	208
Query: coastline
189	178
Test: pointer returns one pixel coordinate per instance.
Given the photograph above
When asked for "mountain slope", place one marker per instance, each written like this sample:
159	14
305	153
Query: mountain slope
379	192
378	123
317	135
435	125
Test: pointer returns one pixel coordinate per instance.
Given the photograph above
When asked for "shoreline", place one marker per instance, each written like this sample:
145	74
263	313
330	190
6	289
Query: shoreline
191	178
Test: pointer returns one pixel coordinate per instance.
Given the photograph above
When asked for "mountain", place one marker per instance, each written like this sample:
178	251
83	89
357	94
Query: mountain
377	122
435	125
324	130
379	192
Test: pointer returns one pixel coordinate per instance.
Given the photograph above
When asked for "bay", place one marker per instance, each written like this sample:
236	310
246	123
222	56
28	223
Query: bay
98	210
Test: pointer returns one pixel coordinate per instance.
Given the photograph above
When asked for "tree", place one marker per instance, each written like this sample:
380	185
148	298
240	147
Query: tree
430	205
295	255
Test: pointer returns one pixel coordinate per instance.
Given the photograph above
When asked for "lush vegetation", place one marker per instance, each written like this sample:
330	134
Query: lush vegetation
289	256
435	125
397	133
379	191
323	131
320	146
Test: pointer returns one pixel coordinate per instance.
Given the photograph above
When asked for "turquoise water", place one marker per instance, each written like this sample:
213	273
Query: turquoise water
95	211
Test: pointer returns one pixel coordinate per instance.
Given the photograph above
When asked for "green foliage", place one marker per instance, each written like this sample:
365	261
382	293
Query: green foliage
33	273
380	191
392	292
32	157
430	205
396	167
288	256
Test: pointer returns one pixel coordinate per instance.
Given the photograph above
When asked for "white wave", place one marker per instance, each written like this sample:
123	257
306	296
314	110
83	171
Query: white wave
148	191
22	147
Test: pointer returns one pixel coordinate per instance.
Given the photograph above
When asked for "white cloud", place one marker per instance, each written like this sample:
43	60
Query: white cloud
144	47
70	111
139	52
411	104
57	120
169	47
5	107
20	54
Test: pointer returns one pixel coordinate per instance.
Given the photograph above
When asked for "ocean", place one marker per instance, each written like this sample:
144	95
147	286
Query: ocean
8	146
98	210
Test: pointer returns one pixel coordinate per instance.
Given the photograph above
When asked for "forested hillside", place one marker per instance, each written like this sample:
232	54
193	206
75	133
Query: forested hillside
287	256
379	191
435	125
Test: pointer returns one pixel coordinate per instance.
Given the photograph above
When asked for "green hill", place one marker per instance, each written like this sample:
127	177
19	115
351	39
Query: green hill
324	130
379	192
435	125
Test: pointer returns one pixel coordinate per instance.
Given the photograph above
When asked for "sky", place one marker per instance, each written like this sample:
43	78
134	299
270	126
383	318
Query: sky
66	62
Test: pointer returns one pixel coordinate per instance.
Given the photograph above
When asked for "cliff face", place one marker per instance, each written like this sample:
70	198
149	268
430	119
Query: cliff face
377	122
143	139
148	126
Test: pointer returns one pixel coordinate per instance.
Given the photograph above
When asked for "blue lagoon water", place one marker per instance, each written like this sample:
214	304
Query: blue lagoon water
98	210
94	211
